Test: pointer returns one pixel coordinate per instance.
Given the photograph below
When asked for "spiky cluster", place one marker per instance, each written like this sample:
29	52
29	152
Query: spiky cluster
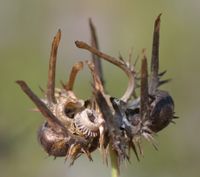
74	126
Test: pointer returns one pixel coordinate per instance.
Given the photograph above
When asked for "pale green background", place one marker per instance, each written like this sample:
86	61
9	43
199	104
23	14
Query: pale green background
26	31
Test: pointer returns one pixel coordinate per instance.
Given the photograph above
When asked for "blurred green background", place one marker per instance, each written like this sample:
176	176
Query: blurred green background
26	31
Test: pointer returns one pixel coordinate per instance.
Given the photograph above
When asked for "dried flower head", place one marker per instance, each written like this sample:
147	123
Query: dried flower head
74	126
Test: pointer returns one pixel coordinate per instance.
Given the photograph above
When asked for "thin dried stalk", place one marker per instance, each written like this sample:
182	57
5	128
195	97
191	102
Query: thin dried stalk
144	95
155	56
52	68
75	69
96	60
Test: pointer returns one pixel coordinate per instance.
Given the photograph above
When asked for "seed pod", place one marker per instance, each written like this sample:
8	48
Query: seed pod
55	143
162	111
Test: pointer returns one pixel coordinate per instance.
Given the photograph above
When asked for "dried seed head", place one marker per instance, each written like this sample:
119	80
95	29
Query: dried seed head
74	126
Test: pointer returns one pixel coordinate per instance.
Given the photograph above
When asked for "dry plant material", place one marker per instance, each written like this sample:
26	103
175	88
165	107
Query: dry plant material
74	126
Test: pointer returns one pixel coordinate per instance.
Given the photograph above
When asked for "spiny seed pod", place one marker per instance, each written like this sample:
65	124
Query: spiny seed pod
162	111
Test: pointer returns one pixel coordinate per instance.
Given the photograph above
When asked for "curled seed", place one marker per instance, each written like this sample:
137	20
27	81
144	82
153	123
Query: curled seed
88	122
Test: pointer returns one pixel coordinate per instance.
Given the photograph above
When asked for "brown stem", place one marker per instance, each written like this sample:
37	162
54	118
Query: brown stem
97	83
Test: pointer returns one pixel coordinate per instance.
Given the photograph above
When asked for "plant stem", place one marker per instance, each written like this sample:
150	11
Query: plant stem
114	163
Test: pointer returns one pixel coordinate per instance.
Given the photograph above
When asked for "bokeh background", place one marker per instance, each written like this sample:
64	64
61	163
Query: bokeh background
26	31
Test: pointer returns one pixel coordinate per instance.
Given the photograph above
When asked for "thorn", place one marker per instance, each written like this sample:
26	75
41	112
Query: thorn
176	117
132	144
130	55
136	61
162	73
140	148
66	157
173	122
62	83
150	138
41	89
87	153
120	57
164	82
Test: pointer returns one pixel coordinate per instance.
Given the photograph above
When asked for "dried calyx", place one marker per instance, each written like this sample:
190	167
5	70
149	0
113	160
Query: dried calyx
74	126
